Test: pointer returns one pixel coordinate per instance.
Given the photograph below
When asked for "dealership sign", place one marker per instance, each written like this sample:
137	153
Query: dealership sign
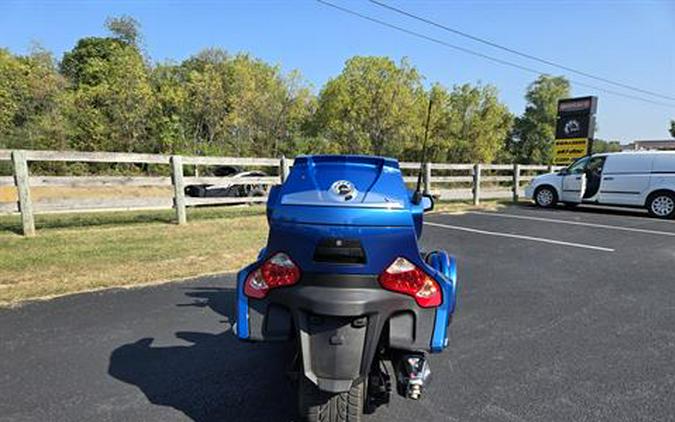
566	151
574	130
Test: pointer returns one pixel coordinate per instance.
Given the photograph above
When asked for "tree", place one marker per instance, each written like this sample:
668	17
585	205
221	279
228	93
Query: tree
169	132
105	95
672	128
12	90
110	97
533	134
600	146
469	124
125	28
204	79
267	108
79	64
235	105
373	107
31	93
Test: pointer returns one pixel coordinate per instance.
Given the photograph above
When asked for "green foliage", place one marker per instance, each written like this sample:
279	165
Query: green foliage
79	65
534	132
31	94
110	98
214	103
372	107
672	128
600	146
12	86
124	28
104	95
469	124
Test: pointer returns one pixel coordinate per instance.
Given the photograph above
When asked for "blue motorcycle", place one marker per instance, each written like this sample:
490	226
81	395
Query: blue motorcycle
342	278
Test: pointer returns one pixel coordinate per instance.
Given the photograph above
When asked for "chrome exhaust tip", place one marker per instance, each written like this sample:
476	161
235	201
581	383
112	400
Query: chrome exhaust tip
413	374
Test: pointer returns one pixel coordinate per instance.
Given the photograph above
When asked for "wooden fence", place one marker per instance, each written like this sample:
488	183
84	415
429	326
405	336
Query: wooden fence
446	181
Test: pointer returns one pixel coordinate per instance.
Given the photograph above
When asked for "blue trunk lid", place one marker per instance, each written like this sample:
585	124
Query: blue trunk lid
342	190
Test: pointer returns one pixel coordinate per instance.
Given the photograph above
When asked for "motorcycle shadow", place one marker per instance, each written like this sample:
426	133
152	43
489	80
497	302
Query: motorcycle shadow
216	377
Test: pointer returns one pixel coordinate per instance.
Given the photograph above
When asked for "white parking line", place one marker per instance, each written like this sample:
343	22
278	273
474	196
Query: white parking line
519	236
574	223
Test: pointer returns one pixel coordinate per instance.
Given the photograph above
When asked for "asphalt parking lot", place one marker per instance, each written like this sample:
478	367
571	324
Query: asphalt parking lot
563	315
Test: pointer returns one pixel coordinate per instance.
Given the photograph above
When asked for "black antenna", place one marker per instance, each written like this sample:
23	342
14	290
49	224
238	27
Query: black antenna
417	196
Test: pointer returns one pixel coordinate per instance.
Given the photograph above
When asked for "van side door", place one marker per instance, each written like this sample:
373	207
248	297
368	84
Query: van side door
625	179
574	181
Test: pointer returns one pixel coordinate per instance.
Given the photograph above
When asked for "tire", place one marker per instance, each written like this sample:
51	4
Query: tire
661	204
195	191
545	197
320	406
257	191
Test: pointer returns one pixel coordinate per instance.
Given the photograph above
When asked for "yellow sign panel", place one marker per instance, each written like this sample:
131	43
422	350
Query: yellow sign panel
565	151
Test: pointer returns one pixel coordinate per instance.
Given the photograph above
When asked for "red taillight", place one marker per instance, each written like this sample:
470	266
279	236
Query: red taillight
277	271
404	277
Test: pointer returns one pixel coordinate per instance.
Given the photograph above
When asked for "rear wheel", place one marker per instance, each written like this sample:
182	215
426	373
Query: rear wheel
195	191
661	204
256	192
320	406
545	197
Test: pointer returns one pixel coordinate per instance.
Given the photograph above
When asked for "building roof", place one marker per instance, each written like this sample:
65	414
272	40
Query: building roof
649	144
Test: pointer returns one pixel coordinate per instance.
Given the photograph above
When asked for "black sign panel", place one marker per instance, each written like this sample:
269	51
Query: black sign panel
588	105
576	118
574	126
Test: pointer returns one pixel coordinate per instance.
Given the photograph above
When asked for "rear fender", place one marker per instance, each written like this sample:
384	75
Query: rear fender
241	327
446	276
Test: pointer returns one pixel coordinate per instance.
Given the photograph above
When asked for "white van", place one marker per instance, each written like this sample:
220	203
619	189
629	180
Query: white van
636	179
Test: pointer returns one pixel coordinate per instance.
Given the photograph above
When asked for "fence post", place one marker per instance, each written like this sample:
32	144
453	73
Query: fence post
284	169
427	178
516	181
23	192
178	188
476	183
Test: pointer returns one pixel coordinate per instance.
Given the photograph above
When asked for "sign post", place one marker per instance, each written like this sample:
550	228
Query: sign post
574	130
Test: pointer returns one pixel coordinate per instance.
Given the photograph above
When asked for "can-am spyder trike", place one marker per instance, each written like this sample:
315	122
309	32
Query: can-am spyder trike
342	277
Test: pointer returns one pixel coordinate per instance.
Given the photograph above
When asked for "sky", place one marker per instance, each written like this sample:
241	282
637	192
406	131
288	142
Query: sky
632	42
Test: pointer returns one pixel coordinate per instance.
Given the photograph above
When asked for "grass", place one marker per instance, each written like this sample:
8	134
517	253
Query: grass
12	223
460	206
8	193
81	252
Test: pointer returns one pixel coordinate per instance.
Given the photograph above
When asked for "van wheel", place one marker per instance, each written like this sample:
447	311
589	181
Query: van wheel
545	197
321	406
661	204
